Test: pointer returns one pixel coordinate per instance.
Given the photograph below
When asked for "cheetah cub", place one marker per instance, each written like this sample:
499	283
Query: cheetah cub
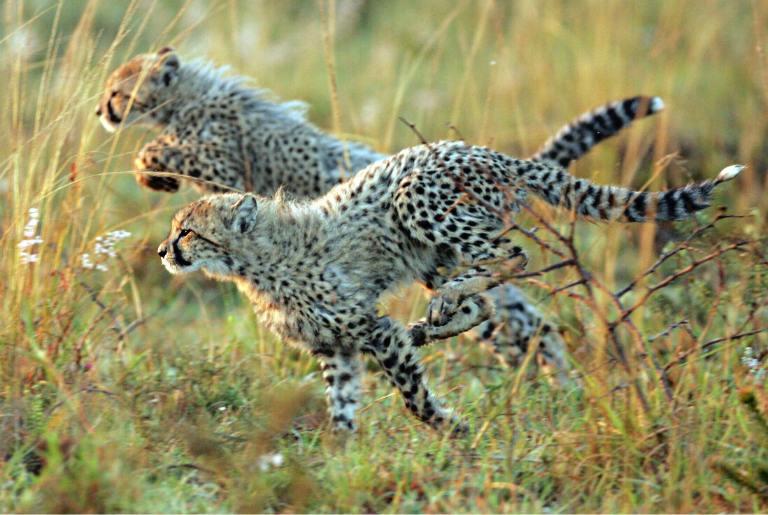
315	270
220	134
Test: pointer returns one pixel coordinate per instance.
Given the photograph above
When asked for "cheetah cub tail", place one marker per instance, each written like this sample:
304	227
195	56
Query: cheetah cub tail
578	137
557	187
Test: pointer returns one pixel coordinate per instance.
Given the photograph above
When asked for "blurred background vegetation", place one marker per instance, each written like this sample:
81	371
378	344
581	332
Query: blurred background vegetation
126	389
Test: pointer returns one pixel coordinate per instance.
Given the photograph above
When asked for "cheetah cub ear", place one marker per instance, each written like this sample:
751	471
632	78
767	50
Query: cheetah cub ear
244	214
168	64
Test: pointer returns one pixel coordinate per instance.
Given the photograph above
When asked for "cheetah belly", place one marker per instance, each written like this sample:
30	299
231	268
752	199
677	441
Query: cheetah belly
296	328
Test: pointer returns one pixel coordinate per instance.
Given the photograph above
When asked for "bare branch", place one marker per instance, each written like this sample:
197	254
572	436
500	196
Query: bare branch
668	330
680	247
456	130
568	286
525	275
671	278
711	343
414	129
683	358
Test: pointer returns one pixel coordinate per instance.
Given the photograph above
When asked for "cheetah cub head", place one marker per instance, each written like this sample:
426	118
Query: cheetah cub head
210	234
137	90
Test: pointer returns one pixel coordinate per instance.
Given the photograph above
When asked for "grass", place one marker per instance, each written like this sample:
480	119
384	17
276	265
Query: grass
131	390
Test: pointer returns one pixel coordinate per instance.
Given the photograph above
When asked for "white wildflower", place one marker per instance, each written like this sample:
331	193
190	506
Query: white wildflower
272	460
85	261
27	258
22	42
749	360
103	250
31	238
34	218
29	243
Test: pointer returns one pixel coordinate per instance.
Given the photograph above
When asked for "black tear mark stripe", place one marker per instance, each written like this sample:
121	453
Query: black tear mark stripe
177	254
111	113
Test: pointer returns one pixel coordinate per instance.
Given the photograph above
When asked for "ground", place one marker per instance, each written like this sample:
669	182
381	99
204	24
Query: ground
123	388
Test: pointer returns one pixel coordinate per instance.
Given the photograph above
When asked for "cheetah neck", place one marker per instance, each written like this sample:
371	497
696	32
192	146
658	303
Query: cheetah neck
286	237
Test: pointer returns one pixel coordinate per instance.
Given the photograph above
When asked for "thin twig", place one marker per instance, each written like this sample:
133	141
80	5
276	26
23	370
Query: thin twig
414	129
711	343
671	278
525	275
679	248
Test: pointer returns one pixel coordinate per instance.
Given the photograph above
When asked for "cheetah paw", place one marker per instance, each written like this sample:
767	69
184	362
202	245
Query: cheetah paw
442	308
517	260
158	182
448	422
459	429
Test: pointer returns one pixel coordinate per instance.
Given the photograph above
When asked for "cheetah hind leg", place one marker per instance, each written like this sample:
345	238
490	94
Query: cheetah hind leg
511	345
515	326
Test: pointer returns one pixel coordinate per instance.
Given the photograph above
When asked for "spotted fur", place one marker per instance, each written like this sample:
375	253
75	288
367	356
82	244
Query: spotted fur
435	214
222	135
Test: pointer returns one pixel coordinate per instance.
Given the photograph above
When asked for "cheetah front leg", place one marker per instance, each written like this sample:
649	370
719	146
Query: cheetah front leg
160	155
470	312
446	304
341	372
210	167
396	352
450	296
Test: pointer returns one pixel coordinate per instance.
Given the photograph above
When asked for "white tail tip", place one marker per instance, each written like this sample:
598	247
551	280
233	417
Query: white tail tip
656	105
729	172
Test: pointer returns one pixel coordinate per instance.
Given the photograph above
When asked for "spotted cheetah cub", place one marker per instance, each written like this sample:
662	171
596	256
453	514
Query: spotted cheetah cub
220	134
315	270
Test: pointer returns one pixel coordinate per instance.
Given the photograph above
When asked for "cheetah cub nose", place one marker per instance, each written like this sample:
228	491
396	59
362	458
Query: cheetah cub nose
162	250
98	111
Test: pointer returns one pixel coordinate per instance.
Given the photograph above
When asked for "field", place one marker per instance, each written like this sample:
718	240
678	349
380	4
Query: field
123	388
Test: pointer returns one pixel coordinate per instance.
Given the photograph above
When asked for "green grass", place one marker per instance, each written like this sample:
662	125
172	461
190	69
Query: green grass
138	391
